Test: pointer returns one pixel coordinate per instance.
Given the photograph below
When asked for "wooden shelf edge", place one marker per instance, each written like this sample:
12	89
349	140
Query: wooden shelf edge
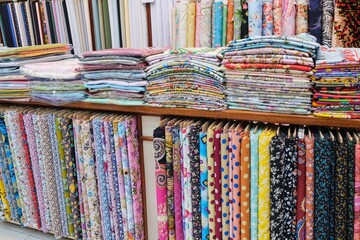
276	118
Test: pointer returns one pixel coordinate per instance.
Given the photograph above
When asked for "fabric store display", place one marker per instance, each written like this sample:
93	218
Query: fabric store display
185	77
14	85
76	174
286	159
336	84
116	76
56	82
270	73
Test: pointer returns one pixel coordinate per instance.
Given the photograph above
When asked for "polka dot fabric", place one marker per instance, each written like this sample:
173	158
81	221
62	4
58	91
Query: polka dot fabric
211	182
225	185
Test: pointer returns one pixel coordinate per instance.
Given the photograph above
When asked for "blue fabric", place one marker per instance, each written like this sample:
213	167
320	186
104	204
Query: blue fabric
204	187
315	19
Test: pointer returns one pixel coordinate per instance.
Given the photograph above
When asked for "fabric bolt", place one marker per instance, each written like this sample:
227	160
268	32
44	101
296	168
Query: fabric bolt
277	163
103	194
225	200
341	186
210	137
177	183
161	189
315	19
59	136
288	18
230	22
47	225
302	16
135	174
323	160
80	171
357	193
327	22
58	174
310	178
186	197
245	186
301	189
206	23
94	224
10	173
5	208
290	183
264	184
267	18
224	23
127	179
195	180
351	188
254	179
198	24
50	176
170	181
237	19
278	16
235	178
120	180
217	180
217	23
204	186
244	19
255	17
191	25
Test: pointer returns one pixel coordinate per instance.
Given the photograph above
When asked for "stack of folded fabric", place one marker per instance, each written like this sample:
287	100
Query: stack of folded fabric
13	84
55	82
116	76
336	83
187	77
270	73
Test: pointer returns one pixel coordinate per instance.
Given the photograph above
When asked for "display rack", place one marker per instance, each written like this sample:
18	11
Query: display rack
275	118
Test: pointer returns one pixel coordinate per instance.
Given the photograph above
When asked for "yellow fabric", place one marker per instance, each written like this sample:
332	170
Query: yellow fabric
191	21
264	184
127	23
63	173
5	204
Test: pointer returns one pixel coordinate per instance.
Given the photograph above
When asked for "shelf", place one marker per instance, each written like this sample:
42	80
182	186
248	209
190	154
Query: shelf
276	118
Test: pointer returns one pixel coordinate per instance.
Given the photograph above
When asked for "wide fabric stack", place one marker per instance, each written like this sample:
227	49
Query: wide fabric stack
336	83
186	77
13	84
55	82
116	76
270	73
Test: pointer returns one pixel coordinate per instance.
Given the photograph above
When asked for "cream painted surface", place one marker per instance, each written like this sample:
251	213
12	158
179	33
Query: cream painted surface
149	124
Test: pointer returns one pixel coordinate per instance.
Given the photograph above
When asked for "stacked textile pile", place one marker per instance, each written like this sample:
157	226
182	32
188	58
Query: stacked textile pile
69	173
238	181
336	83
13	84
186	77
116	76
56	82
270	73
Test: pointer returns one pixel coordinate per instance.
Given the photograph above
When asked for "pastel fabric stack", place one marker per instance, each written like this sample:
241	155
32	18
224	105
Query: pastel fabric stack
116	76
14	86
56	82
336	83
186	77
270	74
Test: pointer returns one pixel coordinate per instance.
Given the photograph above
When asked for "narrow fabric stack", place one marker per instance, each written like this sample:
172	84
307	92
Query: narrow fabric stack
13	84
116	76
186	77
336	83
55	82
270	73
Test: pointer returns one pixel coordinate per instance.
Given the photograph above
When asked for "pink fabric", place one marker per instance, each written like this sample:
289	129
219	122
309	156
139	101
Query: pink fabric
134	52
277	11
135	174
197	27
309	199
288	18
357	193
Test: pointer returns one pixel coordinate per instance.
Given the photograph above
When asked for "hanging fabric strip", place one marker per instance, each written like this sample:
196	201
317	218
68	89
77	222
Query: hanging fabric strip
288	18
